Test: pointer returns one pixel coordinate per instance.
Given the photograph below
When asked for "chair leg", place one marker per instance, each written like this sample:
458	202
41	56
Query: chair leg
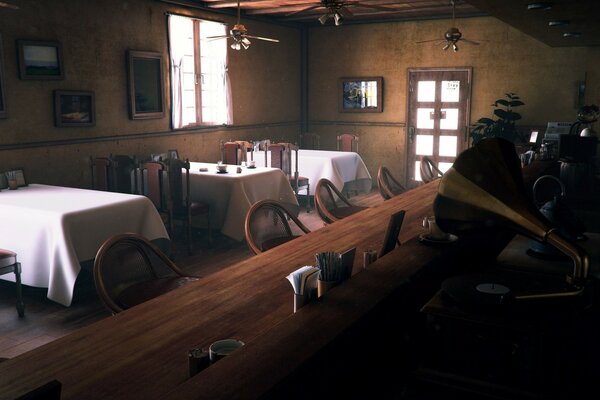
210	242
20	304
189	235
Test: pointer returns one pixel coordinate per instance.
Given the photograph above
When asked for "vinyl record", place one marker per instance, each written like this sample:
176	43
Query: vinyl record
479	289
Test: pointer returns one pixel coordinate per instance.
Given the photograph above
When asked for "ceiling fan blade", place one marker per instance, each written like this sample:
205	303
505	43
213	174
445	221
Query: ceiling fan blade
217	37
246	41
469	41
263	38
345	12
430	40
7	5
304	9
380	8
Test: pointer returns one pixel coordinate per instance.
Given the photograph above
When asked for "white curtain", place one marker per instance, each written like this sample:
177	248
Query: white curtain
179	28
215	59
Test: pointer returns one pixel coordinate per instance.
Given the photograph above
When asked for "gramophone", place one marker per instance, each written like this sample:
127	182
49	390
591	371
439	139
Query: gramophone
484	189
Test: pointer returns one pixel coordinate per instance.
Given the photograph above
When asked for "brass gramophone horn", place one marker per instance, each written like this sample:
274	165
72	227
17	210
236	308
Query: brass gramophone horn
485	188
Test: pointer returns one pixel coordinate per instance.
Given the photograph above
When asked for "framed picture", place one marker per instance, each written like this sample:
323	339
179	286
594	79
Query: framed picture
40	60
145	84
72	108
17	175
173	154
2	101
361	94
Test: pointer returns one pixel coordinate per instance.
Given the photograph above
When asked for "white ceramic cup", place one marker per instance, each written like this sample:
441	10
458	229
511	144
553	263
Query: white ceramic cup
433	230
222	348
222	167
252	163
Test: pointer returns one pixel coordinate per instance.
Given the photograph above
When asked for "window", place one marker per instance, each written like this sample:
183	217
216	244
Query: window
200	89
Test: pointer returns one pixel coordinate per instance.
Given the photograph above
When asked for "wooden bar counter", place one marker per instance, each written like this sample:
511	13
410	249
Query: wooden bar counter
143	352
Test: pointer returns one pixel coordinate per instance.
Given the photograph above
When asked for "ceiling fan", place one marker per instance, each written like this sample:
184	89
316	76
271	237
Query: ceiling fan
239	34
338	10
451	36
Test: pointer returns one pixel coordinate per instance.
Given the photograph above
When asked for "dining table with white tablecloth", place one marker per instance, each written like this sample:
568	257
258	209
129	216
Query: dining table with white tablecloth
231	194
53	229
345	169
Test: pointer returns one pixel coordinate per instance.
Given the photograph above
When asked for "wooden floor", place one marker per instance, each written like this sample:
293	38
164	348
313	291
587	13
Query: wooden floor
46	320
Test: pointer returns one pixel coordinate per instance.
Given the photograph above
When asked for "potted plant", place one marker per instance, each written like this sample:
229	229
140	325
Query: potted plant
504	124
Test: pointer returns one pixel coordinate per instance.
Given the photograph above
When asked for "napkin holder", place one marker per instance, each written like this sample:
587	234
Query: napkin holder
302	299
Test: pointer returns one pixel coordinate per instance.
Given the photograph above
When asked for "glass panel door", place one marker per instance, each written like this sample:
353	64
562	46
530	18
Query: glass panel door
438	116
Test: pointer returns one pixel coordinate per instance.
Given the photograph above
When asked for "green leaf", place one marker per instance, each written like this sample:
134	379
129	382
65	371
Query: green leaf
516	103
486	121
504	103
501	113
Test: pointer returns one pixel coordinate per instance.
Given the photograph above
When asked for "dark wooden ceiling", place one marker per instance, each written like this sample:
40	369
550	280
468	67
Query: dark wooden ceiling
583	16
363	11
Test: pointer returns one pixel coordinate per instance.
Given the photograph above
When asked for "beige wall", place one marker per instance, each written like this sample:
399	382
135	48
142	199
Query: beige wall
95	37
265	83
507	61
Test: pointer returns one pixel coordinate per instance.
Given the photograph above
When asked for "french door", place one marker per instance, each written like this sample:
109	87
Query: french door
438	117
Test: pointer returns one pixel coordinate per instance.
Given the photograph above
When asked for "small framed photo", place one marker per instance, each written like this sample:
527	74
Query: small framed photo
17	175
74	108
145	83
40	60
173	154
361	94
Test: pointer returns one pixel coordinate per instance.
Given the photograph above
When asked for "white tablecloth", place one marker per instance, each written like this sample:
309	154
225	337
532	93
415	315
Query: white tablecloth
53	228
231	195
345	169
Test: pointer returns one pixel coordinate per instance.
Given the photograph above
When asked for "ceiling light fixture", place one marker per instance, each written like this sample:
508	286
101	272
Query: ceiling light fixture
323	18
558	23
337	17
454	47
572	34
545	5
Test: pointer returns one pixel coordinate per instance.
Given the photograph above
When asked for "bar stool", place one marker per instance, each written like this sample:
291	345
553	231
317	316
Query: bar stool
8	264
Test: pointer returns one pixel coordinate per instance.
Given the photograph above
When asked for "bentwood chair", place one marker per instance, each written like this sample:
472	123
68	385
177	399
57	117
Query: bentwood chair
388	185
8	265
331	203
179	204
281	157
102	173
129	270
428	169
347	142
269	223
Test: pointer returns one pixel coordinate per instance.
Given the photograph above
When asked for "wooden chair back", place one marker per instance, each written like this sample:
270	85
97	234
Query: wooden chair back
269	223
230	153
101	174
153	183
347	142
128	259
125	174
387	184
331	204
310	141
429	171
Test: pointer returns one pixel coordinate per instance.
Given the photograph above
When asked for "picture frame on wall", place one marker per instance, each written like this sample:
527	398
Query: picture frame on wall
40	60
3	113
74	108
361	94
145	84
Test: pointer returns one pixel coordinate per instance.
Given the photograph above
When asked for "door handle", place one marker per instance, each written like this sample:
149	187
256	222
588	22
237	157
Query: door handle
411	134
